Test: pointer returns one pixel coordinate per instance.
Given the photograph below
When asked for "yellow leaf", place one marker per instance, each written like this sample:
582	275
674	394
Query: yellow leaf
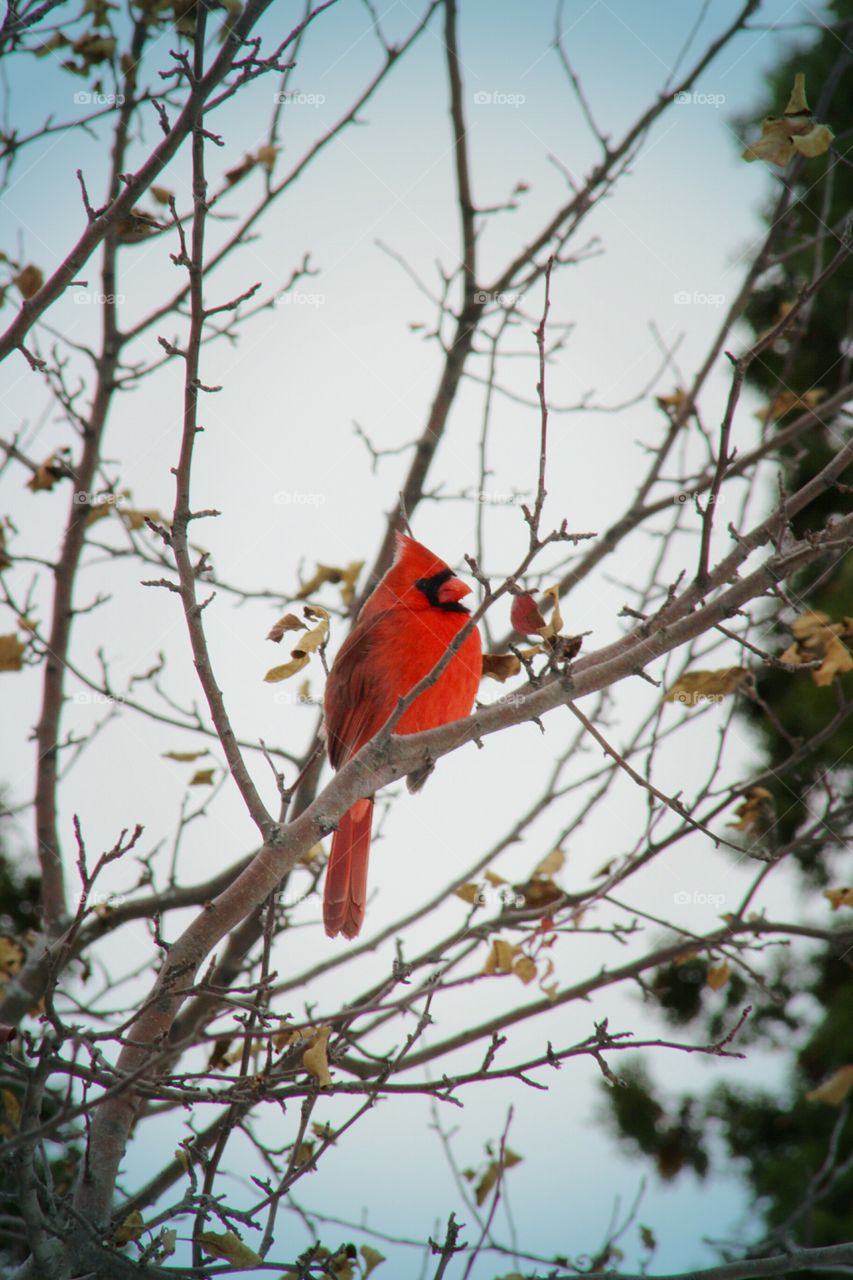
324	1132
183	756
705	686
372	1259
500	666
313	639
494	879
525	969
131	1229
29	281
202	778
303	1153
752	810
718	976
182	1159
229	1247
812	622
11	653
168	1241
554	625
839	898
673	402
287	669
315	1061
834	1090
551	864
135	519
493	1171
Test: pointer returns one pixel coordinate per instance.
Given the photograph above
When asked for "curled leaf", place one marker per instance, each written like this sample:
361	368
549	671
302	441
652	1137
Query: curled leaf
839	898
315	1060
705	686
834	1090
229	1247
525	616
500	666
287	669
754	809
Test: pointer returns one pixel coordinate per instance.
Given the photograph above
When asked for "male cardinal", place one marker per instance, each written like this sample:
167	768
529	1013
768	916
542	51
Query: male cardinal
403	629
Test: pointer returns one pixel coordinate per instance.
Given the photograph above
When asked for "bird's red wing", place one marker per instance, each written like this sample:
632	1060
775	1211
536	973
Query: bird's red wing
358	700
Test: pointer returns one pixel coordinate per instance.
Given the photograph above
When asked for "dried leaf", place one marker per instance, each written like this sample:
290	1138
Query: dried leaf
202	778
265	156
161	194
786	401
837	897
500	666
324	1132
136	519
131	1229
717	977
168	1241
46	475
705	686
11	653
550	864
29	281
229	1247
372	1259
501	957
313	639
672	404
648	1238
834	1090
555	625
287	669
795	131
494	879
183	756
325	573
493	1172
349	578
525	969
289	622
753	810
837	660
315	1061
469	892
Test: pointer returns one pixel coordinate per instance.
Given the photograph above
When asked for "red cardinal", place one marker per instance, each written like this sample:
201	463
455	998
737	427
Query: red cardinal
402	631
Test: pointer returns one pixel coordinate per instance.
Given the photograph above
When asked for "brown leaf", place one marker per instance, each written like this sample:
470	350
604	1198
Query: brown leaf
265	156
525	969
161	194
229	1247
202	778
469	892
839	898
786	401
501	957
46	475
500	666
11	653
795	131
372	1259
705	686
754	809
717	977
12	1110
325	573
550	864
131	1229
183	756
287	669
289	622
672	404
29	281
834	1090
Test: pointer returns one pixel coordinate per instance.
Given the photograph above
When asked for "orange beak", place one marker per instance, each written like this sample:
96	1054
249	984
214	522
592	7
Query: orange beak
452	591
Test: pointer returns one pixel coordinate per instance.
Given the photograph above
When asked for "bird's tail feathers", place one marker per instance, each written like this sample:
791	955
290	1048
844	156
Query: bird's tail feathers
345	895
